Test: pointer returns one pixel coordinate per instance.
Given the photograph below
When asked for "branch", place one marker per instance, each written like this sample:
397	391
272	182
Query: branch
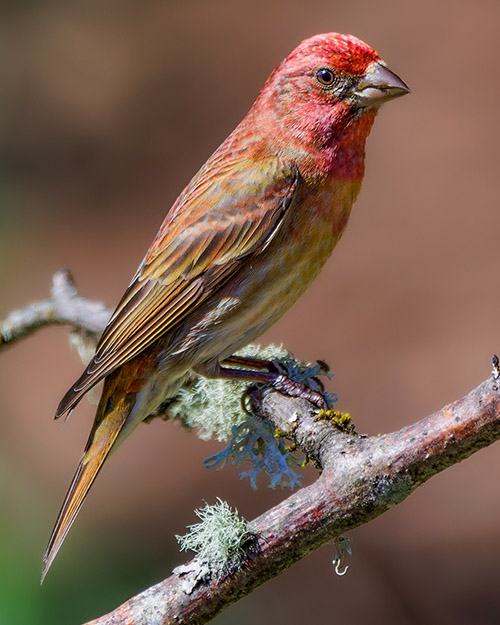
65	307
361	479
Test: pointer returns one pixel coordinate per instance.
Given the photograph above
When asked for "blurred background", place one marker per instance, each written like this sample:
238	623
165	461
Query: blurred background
107	110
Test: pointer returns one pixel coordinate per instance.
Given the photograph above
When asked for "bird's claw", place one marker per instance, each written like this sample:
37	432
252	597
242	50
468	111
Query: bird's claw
252	399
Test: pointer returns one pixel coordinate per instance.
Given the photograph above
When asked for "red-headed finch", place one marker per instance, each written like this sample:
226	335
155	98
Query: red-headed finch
242	242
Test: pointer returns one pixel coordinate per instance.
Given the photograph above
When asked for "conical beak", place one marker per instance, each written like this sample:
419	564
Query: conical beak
378	85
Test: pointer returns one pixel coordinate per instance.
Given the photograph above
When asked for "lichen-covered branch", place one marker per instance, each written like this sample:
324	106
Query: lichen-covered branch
361	478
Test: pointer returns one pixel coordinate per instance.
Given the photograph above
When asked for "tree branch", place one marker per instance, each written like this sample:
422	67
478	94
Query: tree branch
65	307
361	479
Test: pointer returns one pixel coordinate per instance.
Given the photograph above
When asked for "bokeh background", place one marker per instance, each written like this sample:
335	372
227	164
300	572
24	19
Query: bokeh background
107	109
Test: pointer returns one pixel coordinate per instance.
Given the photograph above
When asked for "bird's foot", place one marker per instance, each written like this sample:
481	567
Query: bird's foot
275	377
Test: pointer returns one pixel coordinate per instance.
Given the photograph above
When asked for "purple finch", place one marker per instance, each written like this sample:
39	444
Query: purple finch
242	242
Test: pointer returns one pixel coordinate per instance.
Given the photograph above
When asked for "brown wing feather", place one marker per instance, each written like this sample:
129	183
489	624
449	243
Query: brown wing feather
214	224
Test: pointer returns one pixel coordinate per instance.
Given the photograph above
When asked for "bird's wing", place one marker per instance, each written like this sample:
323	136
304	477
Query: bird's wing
229	211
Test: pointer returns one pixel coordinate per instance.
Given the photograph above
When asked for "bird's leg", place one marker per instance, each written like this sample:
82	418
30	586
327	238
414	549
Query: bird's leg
260	363
248	361
273	377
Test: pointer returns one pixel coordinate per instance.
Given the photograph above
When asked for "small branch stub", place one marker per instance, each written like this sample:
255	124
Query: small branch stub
495	373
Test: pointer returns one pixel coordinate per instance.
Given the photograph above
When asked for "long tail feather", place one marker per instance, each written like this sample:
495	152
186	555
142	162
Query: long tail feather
102	438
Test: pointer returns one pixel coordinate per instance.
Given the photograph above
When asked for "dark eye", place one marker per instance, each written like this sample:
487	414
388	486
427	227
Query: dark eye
325	77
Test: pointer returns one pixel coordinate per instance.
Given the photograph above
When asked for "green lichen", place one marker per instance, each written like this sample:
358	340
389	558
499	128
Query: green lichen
219	539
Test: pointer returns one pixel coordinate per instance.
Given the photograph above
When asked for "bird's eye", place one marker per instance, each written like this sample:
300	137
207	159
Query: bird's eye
325	77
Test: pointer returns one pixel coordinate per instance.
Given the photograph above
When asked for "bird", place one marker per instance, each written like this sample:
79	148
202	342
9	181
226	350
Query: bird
238	247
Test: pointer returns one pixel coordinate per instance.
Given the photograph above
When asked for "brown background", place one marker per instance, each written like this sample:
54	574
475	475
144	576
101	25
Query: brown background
107	110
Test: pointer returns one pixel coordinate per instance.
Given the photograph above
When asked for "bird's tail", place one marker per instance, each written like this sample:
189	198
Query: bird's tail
109	422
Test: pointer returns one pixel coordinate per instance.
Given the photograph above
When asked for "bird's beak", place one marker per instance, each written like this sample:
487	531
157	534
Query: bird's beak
378	85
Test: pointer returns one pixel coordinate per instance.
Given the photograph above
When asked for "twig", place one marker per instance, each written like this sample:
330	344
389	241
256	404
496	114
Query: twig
65	307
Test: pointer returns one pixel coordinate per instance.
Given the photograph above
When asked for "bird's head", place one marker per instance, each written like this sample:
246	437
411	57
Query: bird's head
327	83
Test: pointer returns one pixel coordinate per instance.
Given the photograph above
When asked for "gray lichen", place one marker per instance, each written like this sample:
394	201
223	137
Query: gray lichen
213	407
220	537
